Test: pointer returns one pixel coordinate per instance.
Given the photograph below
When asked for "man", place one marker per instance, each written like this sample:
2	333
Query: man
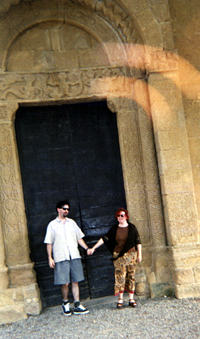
62	238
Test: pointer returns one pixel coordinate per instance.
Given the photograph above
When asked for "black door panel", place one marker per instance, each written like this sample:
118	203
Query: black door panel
71	151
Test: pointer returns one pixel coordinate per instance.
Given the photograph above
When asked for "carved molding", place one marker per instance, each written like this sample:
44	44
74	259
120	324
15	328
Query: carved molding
75	84
117	15
6	4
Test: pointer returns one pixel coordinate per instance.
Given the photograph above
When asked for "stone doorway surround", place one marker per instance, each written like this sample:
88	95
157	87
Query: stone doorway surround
139	84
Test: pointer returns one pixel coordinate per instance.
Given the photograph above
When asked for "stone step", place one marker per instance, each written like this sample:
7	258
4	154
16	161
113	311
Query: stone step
12	313
10	296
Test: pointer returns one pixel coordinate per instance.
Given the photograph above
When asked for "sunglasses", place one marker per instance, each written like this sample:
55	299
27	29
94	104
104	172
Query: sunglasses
65	208
121	215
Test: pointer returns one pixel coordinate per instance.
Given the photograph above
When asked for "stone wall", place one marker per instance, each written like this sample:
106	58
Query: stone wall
125	52
186	27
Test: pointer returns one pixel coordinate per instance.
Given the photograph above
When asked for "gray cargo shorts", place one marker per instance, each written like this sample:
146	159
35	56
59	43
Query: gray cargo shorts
68	271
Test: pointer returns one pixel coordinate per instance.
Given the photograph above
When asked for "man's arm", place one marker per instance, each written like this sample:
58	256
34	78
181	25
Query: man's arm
83	244
49	252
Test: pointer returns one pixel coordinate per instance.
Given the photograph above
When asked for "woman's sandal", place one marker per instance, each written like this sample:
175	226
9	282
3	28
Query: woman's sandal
120	303
132	303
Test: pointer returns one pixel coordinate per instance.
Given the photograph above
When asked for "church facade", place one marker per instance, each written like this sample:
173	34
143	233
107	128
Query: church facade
141	59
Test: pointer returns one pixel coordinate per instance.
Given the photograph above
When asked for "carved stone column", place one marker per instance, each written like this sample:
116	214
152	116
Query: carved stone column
142	187
12	205
130	149
3	160
131	160
21	296
159	275
3	268
176	179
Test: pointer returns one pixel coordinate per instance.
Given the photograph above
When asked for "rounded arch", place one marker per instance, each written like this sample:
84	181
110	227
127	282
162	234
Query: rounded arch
107	31
146	22
133	18
54	46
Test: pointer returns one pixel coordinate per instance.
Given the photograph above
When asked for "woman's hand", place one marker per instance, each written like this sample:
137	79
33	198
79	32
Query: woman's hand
139	259
90	251
139	253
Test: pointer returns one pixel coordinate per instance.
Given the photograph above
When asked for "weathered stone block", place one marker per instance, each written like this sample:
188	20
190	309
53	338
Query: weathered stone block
95	57
33	306
31	291
160	10
196	274
161	289
176	181
174	159
187	291
21	275
168	42
183	276
6	297
162	266
140	288
12	313
181	214
3	276
186	256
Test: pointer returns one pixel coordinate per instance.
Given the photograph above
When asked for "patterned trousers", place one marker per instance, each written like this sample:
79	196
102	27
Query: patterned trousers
125	267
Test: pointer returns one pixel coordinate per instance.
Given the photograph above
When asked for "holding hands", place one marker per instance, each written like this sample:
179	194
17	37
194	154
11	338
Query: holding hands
90	251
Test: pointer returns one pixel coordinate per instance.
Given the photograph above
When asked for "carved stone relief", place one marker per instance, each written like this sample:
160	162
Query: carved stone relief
58	86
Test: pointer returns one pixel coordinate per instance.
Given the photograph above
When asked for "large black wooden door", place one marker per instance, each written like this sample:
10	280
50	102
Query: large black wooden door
70	151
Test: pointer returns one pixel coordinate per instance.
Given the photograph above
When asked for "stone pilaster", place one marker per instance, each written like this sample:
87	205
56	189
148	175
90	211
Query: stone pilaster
159	273
142	188
175	175
13	220
149	165
3	268
126	111
12	206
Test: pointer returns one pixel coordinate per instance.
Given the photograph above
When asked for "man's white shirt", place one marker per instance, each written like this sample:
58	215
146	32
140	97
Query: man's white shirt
64	236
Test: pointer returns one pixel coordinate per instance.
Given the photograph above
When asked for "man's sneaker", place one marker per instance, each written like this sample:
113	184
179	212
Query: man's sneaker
80	310
66	309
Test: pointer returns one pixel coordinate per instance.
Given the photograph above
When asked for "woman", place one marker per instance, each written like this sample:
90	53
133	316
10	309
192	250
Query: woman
123	241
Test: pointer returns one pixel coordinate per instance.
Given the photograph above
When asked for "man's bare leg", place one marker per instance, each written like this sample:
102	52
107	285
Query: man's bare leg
78	308
65	305
65	291
75	291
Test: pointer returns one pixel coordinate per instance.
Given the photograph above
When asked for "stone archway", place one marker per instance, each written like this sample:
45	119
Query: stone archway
120	79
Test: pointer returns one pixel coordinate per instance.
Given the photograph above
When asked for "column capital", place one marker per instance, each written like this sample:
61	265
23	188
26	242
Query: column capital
120	105
7	112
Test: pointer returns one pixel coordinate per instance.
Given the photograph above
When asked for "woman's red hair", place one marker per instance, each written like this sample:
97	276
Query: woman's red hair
121	210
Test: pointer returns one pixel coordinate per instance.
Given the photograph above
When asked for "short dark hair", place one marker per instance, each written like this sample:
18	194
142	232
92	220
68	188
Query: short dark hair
61	203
